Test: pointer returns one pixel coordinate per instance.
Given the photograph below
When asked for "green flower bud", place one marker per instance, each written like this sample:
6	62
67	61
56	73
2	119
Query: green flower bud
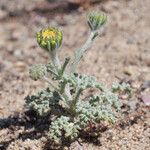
49	38
37	71
96	20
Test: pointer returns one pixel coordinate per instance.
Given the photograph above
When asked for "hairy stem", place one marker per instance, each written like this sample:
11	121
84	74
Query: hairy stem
51	84
63	96
79	53
62	87
64	66
67	92
55	60
75	100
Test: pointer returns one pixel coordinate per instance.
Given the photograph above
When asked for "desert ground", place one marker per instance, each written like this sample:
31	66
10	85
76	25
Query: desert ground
121	53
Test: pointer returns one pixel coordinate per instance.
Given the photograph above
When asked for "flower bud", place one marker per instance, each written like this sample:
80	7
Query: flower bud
37	71
96	20
49	38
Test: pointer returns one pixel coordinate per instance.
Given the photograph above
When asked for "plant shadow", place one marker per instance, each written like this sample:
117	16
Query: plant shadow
36	128
32	125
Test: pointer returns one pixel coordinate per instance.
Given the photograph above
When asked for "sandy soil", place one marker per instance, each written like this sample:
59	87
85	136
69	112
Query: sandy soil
122	53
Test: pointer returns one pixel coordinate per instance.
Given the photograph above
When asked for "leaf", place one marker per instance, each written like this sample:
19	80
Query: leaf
85	81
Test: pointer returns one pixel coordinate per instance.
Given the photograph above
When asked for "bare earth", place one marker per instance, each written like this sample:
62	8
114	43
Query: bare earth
121	53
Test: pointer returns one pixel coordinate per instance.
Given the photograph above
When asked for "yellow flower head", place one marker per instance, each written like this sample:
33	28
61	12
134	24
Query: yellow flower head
48	34
49	38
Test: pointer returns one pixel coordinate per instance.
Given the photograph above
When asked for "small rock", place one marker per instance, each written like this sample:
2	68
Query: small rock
147	61
20	65
131	40
76	146
132	104
110	6
145	85
10	48
145	57
128	71
3	14
110	134
124	97
146	99
135	85
18	54
19	89
131	70
15	35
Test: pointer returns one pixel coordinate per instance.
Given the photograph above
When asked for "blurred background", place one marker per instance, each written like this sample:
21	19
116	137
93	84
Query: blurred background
121	53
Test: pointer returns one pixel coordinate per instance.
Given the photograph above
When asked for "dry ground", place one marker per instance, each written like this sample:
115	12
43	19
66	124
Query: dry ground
122	53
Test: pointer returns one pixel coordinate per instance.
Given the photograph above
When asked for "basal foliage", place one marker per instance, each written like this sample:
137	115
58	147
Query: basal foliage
63	101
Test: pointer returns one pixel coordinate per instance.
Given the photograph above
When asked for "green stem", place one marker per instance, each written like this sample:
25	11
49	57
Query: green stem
62	95
75	100
51	71
55	60
64	66
62	88
79	53
51	84
77	95
67	92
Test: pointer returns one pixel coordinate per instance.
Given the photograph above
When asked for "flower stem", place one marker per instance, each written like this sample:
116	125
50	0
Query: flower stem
55	60
64	66
51	84
75	100
79	53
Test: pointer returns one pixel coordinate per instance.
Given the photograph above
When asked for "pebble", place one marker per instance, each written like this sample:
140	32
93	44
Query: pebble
76	146
20	65
124	97
135	85
131	70
110	6
110	134
18	54
146	99
131	40
145	57
10	48
132	104
145	85
15	35
3	14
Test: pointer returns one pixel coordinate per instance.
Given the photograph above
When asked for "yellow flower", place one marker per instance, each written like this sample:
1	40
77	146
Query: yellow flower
49	38
48	34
